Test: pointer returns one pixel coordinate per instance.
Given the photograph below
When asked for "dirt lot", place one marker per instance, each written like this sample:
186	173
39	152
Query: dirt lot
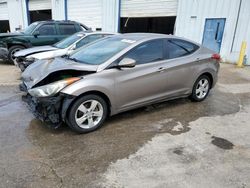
172	144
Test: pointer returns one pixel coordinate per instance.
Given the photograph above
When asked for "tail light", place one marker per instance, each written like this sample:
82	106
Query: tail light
216	57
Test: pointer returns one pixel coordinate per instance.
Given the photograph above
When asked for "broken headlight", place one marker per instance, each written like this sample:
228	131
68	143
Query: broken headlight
53	88
30	59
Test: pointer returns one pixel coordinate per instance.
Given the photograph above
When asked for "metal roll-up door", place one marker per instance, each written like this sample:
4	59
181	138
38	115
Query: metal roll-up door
86	12
4	17
39	5
4	11
148	8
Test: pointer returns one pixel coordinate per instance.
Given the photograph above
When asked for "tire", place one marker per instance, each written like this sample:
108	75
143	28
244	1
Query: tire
82	118
199	92
13	50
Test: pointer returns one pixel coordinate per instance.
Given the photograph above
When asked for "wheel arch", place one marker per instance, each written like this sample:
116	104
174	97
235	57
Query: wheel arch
67	104
9	45
210	76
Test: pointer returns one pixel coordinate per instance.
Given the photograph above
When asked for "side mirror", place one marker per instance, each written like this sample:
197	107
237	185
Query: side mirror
36	33
73	47
127	63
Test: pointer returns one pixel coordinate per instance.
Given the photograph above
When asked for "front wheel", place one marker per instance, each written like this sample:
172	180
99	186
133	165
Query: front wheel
87	113
13	50
201	88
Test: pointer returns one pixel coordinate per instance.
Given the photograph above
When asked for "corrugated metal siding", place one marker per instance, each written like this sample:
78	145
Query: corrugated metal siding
39	5
58	12
110	15
4	11
243	28
191	16
148	8
86	12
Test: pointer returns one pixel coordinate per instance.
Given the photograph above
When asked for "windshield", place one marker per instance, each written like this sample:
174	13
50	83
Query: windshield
68	41
99	52
30	28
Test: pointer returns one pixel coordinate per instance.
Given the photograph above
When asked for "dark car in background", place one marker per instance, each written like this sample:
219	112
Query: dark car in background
37	34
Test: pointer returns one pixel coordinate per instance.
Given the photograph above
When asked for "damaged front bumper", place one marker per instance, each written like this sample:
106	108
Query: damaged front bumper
22	63
51	110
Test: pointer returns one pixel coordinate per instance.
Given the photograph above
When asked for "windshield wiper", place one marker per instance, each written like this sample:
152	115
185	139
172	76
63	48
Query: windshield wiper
73	59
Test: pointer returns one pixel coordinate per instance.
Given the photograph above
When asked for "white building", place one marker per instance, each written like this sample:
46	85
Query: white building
219	24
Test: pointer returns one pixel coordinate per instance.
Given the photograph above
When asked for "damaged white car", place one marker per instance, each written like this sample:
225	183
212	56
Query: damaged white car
24	58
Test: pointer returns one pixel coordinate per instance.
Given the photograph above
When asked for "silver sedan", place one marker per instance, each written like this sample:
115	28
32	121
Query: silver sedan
117	74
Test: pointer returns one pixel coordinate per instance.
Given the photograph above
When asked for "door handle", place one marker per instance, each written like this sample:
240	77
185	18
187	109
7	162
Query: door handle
161	69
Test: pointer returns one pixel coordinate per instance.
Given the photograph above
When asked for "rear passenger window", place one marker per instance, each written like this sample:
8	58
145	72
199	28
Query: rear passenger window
178	48
147	52
67	29
47	29
88	39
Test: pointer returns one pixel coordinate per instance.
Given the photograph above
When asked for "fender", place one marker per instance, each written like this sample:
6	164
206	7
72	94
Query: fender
23	41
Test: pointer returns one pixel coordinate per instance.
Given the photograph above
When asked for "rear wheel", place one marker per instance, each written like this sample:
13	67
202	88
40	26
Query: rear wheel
87	113
201	88
13	50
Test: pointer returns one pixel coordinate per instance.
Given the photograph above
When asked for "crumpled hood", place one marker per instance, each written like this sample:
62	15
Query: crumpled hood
49	54
39	70
26	52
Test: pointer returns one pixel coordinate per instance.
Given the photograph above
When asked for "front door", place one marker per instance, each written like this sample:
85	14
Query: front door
146	81
47	35
213	33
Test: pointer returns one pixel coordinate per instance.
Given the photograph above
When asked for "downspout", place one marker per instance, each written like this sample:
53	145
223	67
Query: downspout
28	12
119	16
236	25
66	9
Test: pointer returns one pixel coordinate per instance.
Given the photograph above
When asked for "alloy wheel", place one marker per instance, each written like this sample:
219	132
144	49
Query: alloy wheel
89	114
202	88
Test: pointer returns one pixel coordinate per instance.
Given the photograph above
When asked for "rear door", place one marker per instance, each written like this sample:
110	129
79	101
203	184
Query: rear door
180	67
88	39
146	81
47	35
66	29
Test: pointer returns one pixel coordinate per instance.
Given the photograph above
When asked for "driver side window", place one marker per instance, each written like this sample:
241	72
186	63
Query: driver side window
147	52
47	29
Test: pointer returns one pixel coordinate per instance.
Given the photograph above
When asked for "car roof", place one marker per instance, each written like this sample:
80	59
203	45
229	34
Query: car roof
138	37
88	32
57	21
100	32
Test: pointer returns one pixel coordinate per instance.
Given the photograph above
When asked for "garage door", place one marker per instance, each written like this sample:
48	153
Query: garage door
3	11
86	12
148	8
4	17
39	5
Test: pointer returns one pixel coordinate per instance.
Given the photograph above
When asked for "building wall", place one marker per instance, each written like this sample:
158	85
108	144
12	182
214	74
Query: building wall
242	32
110	15
16	12
191	17
58	10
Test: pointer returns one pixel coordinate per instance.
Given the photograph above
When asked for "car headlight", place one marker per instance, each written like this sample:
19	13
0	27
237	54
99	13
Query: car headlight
53	88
